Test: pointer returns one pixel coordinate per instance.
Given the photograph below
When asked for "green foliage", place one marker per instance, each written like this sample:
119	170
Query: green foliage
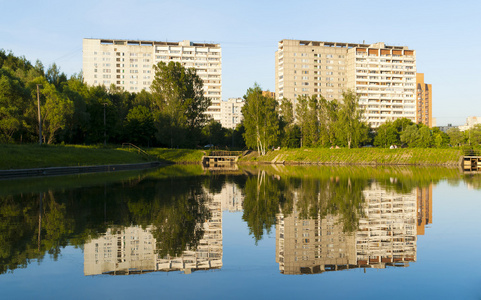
179	98
261	120
73	112
351	130
139	126
387	134
456	137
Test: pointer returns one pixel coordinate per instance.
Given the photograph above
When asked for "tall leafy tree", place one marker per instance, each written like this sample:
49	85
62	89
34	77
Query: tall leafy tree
139	126
456	137
56	109
179	98
261	120
351	129
386	136
13	103
410	136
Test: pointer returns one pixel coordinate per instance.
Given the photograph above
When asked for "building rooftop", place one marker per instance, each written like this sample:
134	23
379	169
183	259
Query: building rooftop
152	43
344	45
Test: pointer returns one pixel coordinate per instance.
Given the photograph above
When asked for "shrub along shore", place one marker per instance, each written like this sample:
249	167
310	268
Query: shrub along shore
360	156
35	156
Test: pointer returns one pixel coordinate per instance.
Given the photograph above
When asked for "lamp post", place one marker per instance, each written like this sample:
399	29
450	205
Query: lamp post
39	116
105	127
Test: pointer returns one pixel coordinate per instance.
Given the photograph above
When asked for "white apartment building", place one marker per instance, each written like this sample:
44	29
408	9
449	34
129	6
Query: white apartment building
384	77
129	64
231	112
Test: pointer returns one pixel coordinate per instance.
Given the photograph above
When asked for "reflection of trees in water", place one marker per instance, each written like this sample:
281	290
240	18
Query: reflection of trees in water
179	226
177	207
22	238
267	195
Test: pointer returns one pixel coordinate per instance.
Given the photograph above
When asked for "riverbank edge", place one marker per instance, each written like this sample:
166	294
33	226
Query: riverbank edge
361	157
72	170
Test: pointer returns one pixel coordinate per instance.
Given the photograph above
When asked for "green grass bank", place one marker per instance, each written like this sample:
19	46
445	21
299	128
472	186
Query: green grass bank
44	156
360	156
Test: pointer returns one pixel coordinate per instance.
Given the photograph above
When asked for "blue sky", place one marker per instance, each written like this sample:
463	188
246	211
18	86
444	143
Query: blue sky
445	34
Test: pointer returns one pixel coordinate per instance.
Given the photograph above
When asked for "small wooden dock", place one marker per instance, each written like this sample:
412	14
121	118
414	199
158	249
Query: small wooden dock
220	159
472	164
472	161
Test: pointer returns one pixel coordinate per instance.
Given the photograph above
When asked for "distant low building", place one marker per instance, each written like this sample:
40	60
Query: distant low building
470	123
231	112
446	128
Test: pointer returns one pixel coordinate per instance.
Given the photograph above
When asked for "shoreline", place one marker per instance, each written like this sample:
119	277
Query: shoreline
59	171
359	156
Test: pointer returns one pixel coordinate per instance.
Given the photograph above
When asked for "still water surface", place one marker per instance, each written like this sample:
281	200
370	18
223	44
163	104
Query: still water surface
284	232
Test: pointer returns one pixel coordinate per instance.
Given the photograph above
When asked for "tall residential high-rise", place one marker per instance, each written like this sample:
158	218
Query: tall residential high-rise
129	64
383	76
424	101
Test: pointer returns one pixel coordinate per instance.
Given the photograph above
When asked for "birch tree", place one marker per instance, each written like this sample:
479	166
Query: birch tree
261	120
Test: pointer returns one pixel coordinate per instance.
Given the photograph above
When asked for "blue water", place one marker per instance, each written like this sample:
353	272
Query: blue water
447	266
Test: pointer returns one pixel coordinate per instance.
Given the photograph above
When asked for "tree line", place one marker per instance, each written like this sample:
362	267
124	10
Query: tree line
316	122
172	114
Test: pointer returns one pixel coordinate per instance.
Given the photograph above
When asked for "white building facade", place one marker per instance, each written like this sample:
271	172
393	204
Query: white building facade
384	77
231	112
128	64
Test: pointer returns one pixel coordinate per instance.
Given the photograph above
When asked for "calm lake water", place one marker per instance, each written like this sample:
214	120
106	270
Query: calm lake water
272	232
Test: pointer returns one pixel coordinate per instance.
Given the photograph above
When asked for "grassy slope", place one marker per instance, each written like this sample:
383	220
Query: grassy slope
364	156
177	155
35	156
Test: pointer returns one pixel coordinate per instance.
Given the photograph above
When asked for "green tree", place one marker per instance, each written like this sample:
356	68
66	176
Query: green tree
214	133
54	76
352	131
13	103
456	137
425	137
179	98
386	136
261	120
139	126
475	134
410	136
55	109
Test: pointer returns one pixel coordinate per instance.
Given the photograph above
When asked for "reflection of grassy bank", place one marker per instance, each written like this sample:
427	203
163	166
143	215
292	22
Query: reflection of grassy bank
365	156
399	178
43	184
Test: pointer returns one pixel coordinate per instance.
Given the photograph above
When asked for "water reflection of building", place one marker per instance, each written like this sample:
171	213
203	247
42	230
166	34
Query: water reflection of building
307	246
424	208
386	236
132	250
231	197
121	251
208	254
387	233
